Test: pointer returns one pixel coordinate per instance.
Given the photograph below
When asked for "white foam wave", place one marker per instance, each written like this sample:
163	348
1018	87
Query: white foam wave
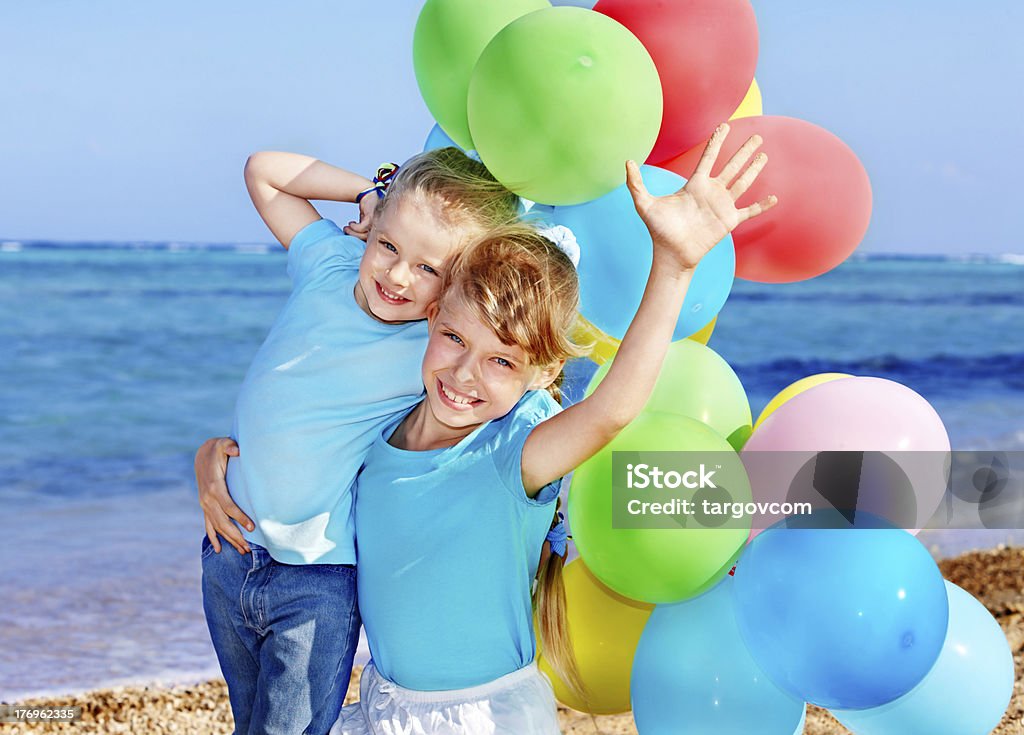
10	246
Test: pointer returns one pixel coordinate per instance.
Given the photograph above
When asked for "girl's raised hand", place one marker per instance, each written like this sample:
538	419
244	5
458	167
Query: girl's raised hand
686	225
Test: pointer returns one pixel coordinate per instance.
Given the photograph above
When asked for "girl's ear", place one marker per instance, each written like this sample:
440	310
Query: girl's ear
548	375
433	309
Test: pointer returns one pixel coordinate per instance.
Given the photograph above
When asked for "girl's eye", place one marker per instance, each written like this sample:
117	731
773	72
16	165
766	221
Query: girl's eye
503	362
453	337
428	269
389	246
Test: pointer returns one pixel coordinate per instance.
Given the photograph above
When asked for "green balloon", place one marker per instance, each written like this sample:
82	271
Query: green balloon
656	565
559	100
449	36
696	382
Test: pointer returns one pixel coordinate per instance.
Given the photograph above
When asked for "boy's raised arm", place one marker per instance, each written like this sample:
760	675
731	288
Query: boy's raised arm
683	226
281	186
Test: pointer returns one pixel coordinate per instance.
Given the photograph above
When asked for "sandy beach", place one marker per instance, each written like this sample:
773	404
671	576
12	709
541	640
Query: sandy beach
995	577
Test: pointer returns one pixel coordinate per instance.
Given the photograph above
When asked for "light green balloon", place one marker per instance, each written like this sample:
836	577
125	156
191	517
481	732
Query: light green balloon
656	565
559	100
696	382
449	36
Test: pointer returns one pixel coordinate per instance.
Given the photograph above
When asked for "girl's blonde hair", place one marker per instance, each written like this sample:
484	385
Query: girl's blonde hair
465	188
525	289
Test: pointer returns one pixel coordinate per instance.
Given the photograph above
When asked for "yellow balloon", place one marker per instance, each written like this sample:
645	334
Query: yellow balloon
795	389
751	105
605	629
605	346
704	334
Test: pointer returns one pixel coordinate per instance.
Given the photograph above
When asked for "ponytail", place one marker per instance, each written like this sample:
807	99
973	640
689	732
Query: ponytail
552	621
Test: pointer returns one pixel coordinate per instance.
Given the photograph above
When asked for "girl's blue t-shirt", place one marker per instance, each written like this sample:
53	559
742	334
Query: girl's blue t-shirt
449	544
324	383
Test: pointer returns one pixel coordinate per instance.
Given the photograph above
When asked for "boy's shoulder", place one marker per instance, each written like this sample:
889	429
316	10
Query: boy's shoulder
325	235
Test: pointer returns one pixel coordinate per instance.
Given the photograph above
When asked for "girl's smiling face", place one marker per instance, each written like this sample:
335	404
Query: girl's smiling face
470	375
400	272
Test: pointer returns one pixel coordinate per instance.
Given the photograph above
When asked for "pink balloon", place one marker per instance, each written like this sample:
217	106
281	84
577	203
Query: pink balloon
855	414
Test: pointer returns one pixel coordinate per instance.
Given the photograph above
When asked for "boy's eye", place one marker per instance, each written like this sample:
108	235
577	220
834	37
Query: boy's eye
389	246
503	362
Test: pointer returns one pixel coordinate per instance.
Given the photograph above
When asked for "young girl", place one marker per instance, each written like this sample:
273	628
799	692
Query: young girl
454	500
340	362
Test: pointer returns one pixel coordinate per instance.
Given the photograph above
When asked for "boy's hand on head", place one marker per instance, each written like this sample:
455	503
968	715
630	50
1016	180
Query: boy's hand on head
211	466
367	208
687	224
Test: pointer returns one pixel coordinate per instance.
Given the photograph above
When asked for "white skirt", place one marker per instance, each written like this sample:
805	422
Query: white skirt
520	703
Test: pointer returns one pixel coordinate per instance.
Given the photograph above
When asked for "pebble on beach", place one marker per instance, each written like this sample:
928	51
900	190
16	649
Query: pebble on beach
994	577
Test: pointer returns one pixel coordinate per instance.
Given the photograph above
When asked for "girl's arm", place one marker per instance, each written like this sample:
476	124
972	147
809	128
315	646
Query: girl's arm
683	226
281	185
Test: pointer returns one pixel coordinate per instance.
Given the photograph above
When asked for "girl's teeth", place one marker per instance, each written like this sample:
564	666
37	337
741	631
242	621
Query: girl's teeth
452	397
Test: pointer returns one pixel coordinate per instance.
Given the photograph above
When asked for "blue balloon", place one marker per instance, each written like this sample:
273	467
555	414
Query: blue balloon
437	138
692	674
841	618
616	260
576	377
965	693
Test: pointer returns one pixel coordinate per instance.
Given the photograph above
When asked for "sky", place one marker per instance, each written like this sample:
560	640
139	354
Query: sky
131	121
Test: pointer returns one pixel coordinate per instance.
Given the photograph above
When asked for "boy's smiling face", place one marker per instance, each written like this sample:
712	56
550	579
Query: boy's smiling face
400	272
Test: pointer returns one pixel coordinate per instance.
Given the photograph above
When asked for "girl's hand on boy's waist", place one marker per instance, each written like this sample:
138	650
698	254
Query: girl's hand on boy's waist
686	225
219	509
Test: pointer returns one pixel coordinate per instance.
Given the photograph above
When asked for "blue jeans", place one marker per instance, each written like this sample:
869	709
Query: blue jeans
285	636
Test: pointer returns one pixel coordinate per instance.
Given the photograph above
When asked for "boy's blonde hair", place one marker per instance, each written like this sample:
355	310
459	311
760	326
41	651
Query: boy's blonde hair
525	289
465	188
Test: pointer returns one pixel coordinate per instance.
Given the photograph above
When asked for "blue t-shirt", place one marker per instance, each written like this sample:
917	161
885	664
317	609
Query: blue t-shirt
324	384
449	544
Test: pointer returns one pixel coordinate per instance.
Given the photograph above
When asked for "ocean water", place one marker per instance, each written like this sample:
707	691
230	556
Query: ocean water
119	359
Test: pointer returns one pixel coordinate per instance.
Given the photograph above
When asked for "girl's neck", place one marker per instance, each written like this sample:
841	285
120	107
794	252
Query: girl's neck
420	431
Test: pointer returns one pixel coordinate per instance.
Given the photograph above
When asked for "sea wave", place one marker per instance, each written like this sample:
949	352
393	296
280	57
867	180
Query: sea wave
933	375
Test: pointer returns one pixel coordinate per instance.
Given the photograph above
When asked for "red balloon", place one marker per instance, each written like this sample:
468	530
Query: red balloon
824	199
705	52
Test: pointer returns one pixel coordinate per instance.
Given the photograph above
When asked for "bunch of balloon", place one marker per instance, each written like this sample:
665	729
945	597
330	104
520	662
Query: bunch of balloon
553	100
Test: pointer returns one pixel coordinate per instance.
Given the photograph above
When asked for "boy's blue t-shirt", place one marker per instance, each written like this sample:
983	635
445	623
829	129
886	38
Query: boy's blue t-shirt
449	544
326	381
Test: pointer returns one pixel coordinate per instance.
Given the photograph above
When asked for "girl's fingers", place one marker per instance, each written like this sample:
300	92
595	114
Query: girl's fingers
739	160
757	208
235	512
223	525
711	150
747	178
212	535
635	184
